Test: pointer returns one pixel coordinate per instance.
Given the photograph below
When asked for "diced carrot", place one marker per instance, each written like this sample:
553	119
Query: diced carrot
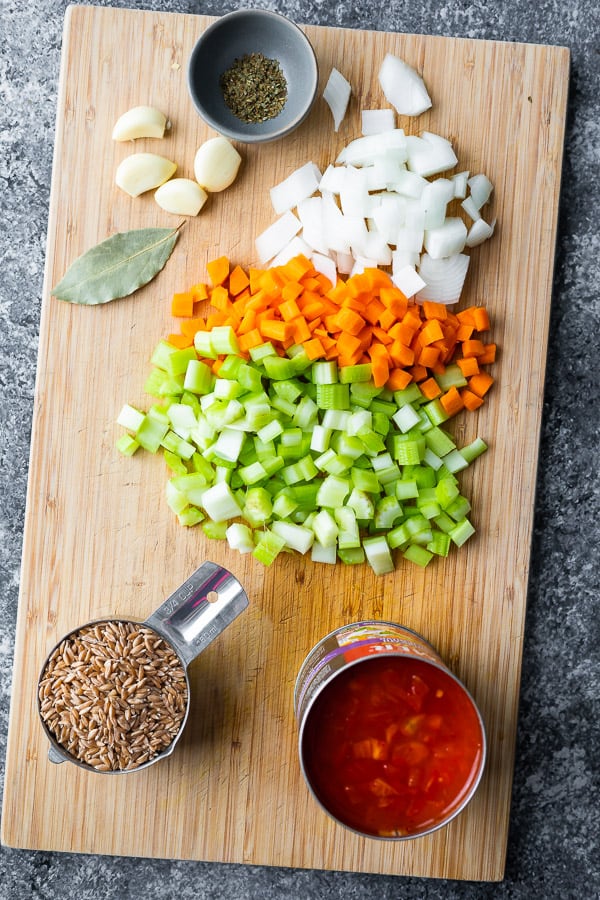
419	373
488	355
189	327
480	384
219	298
291	290
430	388
314	348
469	366
381	335
348	344
464	332
182	304
472	347
200	291
350	321
432	310
430	332
373	311
428	356
470	400
398	380
252	339
238	281
300	330
289	309
401	355
218	270
452	401
180	340
481	318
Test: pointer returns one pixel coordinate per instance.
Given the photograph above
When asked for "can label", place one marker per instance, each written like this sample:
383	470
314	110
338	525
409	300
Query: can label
348	645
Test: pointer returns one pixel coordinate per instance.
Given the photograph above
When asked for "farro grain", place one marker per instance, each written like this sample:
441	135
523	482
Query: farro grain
113	694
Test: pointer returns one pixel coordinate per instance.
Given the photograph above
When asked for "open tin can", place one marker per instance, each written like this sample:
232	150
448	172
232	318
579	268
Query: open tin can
391	743
114	694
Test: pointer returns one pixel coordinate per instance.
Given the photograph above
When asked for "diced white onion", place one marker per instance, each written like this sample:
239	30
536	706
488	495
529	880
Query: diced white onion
427	157
374	121
408	280
332	179
409	184
446	240
337	96
481	189
479	232
470	207
403	87
444	278
390	216
296	246
310	213
276	236
460	184
302	183
434	201
363	151
325	265
361	263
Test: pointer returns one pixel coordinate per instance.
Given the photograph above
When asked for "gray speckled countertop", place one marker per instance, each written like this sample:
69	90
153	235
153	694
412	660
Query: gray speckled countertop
554	837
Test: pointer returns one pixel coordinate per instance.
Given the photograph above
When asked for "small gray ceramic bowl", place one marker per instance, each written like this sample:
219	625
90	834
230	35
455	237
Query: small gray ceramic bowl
232	37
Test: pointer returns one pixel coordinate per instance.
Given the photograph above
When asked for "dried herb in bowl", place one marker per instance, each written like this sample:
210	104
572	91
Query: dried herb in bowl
254	88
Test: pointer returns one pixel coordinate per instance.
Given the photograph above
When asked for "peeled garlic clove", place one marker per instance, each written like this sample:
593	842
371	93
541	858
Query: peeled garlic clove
142	172
181	196
139	122
216	164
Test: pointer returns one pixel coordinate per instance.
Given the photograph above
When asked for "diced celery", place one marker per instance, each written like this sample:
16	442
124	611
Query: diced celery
353	556
130	418
258	354
325	528
268	547
365	480
216	531
439	544
349	534
436	412
378	554
410	394
321	554
421	556
278	368
332	491
219	503
176	499
333	396
325	372
175	444
455	461
284	505
387	512
227	388
297	537
438	441
258	507
223	340
406	418
198	377
461	532
358	374
252	473
362	505
306	413
406	489
228	445
127	445
452	376
239	537
474	449
458	508
151	433
320	438
249	378
190	516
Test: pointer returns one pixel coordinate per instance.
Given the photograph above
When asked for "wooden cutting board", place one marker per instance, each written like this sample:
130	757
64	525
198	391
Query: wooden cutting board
100	541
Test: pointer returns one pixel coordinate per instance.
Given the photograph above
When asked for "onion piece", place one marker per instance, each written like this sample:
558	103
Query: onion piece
470	207
408	280
364	150
444	278
302	183
403	87
337	94
479	232
332	179
447	240
459	181
481	189
296	247
434	201
310	213
429	157
325	265
374	121
274	238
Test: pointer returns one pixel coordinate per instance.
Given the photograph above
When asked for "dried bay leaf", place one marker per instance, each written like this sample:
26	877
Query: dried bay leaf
117	266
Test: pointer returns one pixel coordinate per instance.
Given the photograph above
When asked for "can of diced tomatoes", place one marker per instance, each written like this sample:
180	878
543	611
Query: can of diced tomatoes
391	743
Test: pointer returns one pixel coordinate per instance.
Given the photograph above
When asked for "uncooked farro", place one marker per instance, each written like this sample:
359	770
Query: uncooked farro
113	694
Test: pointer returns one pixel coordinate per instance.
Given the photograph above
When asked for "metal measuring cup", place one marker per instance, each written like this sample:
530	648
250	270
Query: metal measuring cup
188	621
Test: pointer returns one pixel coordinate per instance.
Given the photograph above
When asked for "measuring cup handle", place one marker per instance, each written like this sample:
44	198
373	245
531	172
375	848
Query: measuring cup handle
198	611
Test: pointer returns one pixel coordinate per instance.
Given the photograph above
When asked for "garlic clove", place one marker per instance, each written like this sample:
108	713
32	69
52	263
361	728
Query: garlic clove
142	172
181	196
139	122
216	164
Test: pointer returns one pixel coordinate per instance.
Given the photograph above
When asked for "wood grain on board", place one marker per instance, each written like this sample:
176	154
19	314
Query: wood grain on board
100	541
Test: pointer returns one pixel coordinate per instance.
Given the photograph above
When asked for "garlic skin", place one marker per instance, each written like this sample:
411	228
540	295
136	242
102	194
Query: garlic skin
181	196
216	164
140	122
143	172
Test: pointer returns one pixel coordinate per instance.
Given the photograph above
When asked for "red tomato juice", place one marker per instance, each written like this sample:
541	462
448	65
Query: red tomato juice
393	746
